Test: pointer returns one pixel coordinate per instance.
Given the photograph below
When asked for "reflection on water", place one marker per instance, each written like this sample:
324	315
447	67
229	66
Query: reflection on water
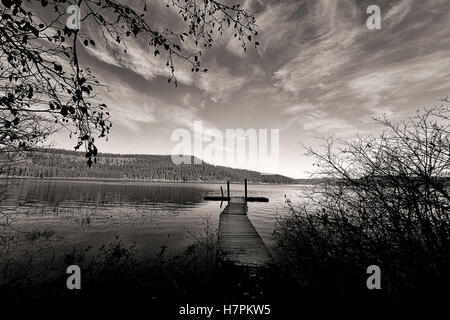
148	214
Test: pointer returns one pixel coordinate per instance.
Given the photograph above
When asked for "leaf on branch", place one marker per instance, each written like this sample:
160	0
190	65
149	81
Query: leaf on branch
7	3
64	111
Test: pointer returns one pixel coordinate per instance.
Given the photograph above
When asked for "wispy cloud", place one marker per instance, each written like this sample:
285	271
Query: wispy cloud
219	83
328	48
298	108
133	110
139	60
398	12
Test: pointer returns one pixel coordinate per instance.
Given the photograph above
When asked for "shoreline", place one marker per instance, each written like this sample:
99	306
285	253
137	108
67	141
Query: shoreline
122	180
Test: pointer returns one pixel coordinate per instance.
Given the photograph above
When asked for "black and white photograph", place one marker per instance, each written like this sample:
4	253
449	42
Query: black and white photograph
224	159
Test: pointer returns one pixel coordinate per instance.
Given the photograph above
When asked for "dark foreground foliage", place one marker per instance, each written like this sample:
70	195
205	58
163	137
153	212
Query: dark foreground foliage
118	281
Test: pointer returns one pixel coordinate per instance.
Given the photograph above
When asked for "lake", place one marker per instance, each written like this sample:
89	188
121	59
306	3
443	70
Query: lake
148	214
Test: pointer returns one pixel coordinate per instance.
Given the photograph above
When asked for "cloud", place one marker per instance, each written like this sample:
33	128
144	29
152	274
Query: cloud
398	12
135	111
140	60
295	109
329	47
348	74
275	23
414	75
321	122
194	102
219	83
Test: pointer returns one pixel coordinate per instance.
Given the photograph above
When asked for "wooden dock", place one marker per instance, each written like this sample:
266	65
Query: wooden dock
239	240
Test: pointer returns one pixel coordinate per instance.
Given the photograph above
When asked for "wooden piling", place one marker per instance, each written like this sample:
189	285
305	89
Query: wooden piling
245	183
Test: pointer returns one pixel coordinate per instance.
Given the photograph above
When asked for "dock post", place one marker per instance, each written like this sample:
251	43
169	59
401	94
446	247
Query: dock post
221	191
245	189
228	190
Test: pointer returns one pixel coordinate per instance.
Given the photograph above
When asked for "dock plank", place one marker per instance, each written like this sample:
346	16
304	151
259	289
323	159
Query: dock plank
239	240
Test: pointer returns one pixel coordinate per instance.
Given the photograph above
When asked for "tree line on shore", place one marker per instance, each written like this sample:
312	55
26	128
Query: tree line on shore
58	163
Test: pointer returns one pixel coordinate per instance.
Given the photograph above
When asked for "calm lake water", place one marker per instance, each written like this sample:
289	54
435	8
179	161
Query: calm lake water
149	215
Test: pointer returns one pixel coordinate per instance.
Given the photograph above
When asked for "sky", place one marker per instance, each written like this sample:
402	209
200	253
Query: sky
318	72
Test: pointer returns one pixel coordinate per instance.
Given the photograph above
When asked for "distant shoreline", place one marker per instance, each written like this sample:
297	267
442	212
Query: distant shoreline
59	164
123	180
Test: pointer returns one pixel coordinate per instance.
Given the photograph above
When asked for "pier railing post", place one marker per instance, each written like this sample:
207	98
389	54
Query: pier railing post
245	183
228	190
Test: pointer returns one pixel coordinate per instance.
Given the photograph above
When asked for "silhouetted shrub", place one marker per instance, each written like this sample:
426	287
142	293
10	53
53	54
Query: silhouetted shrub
385	203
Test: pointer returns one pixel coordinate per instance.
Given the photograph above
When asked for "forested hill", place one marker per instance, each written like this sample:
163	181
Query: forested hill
57	163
